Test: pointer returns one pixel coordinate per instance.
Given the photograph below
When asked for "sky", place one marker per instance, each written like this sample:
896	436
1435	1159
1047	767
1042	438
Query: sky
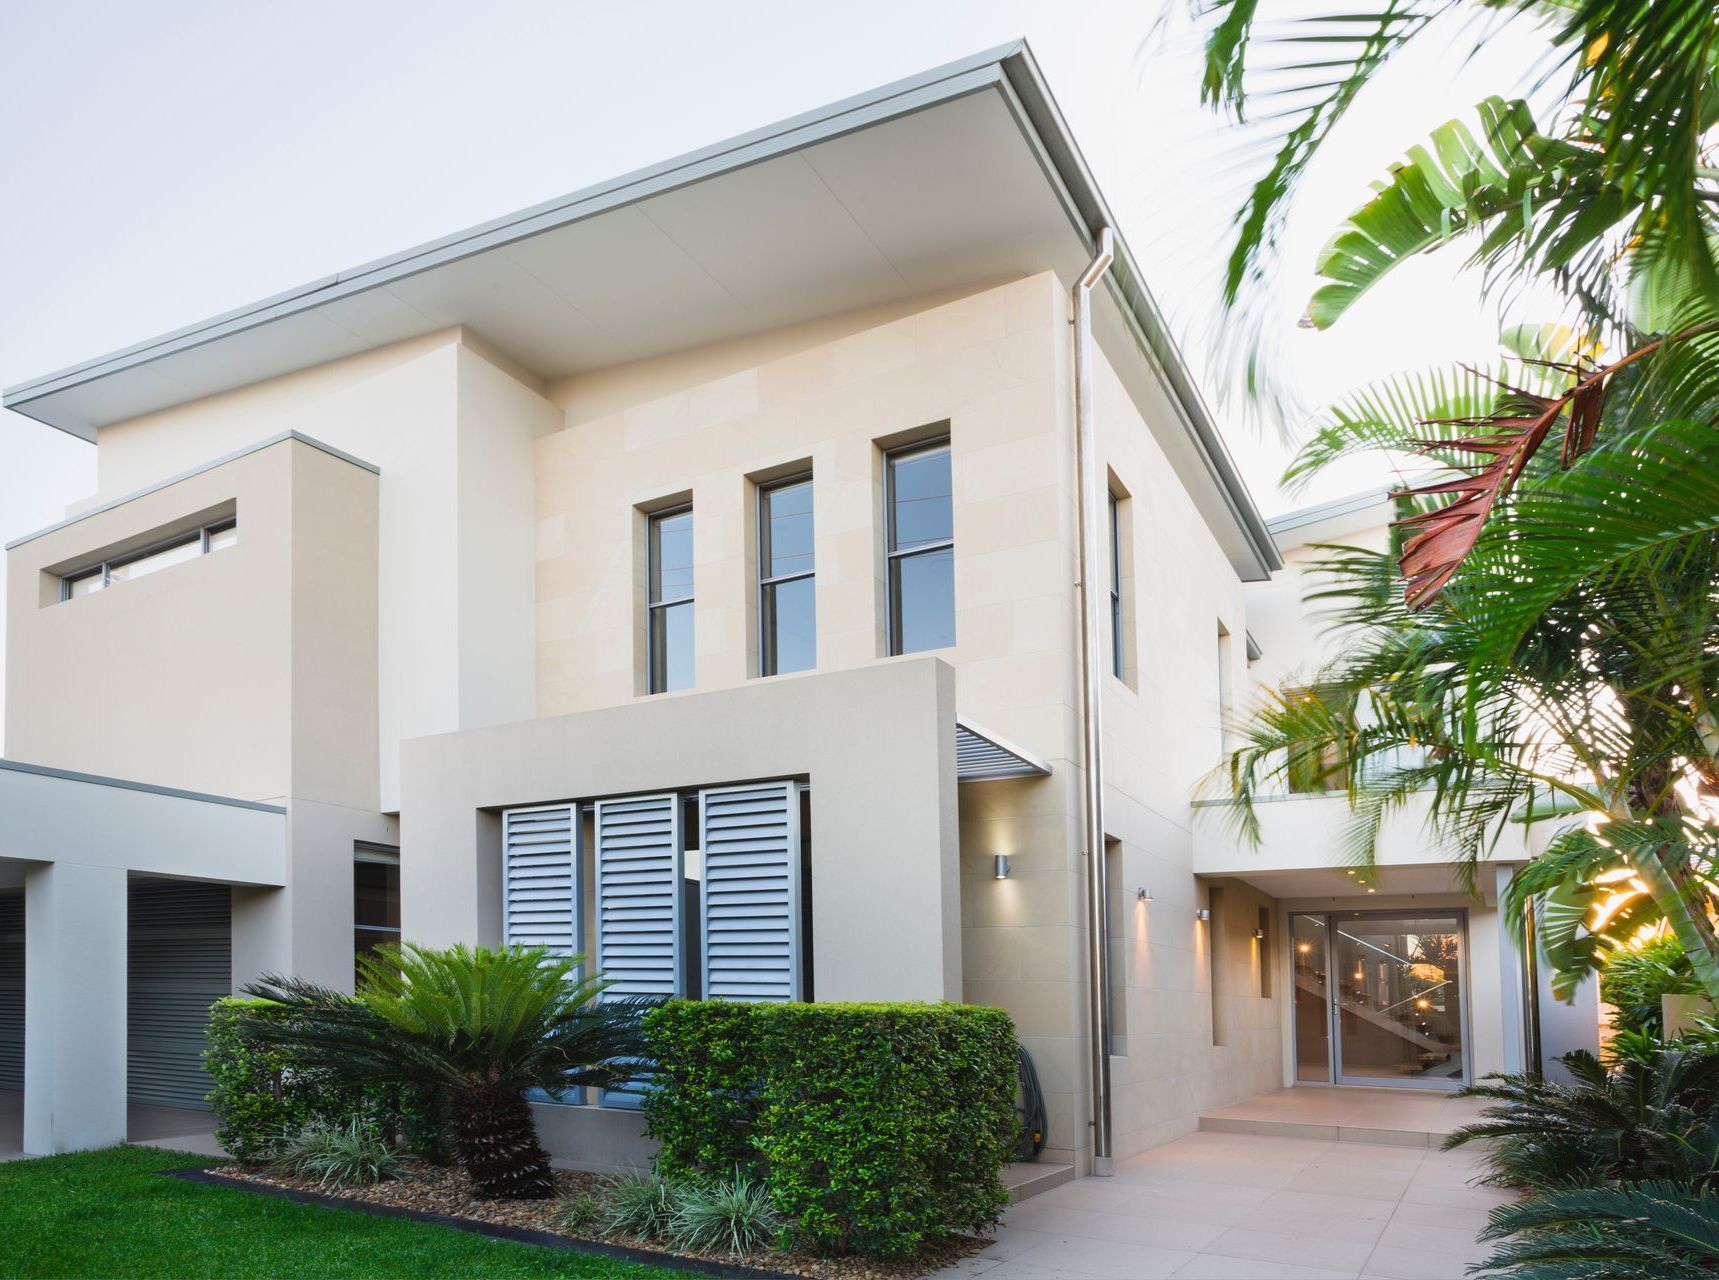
168	161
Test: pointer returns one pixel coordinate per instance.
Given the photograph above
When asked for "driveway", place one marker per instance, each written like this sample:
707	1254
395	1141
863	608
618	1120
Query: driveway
1232	1206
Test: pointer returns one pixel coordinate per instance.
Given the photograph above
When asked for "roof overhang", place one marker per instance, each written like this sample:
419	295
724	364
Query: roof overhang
981	756
961	176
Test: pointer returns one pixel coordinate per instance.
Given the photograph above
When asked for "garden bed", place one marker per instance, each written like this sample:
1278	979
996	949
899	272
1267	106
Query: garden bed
446	1192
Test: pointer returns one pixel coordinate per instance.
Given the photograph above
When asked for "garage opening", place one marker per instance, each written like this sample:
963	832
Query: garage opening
180	954
12	990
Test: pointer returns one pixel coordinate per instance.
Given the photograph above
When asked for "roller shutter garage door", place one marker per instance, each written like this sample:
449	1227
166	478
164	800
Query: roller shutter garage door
11	990
181	961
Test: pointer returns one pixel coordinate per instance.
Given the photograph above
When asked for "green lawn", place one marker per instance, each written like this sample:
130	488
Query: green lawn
107	1213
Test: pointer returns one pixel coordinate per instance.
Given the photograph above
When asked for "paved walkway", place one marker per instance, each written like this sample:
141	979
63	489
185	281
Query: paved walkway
1228	1206
146	1126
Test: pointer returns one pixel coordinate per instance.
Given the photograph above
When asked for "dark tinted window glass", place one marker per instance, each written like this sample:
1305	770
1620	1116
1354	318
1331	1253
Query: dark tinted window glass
671	648
920	499
790	626
922	606
787	530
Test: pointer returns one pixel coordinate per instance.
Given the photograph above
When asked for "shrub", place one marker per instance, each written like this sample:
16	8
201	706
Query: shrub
265	1092
580	1213
1652	1115
735	1216
640	1204
709	1088
354	1154
878	1126
1635	979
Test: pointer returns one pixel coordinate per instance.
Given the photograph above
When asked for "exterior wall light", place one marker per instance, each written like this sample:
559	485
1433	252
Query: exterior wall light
1143	894
1000	864
1260	934
1202	913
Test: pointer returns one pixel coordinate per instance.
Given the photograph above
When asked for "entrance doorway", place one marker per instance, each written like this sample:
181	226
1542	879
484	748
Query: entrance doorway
1381	998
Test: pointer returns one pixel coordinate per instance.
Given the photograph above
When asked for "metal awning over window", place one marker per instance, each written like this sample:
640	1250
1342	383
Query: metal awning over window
981	756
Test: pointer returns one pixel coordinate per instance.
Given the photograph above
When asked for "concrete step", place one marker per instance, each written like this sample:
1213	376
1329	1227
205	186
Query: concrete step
1324	1132
1028	1178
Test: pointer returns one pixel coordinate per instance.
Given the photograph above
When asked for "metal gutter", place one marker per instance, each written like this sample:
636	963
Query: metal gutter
1090	537
196	471
941	84
96	779
1300	518
1128	289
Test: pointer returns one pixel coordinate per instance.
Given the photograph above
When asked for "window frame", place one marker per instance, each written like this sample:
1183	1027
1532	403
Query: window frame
202	536
1118	645
766	666
381	855
893	556
653	584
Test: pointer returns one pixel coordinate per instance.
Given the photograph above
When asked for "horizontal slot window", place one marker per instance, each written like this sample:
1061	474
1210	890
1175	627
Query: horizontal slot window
151	559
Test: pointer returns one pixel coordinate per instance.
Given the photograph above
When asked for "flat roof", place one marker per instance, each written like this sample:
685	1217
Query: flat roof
962	175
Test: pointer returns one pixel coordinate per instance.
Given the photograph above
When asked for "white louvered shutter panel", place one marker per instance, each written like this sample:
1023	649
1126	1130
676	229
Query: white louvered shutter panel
638	895
540	869
750	837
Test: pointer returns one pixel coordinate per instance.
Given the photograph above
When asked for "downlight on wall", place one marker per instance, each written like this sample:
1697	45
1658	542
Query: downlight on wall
1000	866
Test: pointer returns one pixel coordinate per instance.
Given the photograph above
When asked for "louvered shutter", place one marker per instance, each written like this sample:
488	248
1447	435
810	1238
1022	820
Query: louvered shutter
542	891
639	868
750	838
11	990
541	869
180	950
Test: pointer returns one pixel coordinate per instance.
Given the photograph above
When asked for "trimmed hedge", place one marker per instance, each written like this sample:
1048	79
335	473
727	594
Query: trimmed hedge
261	1096
876	1126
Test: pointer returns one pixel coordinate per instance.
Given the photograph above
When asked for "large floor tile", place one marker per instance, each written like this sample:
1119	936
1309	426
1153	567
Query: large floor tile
1283	1246
1388	1263
1159	1232
1423	1238
1108	1260
1211	1266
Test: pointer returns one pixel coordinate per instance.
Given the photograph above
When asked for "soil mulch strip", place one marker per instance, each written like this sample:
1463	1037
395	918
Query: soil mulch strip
425	1193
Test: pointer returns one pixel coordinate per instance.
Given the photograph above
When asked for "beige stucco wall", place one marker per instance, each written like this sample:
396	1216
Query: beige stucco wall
450	423
250	672
988	365
876	746
1188	1048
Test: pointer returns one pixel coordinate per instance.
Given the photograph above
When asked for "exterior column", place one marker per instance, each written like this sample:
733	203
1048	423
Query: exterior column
74	1007
1511	977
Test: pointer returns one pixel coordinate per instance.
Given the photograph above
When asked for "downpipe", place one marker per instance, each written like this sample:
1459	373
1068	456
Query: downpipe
1088	479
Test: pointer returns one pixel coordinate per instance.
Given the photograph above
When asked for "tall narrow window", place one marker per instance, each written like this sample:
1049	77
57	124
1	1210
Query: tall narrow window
787	604
375	898
1226	657
1116	936
1118	651
669	608
921	546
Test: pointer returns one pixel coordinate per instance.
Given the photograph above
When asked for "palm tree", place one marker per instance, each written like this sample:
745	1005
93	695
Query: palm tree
480	1025
1543	643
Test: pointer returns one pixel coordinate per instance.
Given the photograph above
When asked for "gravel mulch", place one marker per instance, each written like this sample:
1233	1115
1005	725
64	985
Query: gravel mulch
427	1188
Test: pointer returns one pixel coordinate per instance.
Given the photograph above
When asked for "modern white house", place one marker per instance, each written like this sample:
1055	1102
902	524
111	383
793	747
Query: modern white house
804	569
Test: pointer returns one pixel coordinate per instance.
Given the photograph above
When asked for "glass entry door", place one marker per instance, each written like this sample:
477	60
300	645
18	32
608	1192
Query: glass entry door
1380	998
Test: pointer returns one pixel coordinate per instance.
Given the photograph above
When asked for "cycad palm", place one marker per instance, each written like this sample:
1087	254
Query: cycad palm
482	1025
1641	1231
